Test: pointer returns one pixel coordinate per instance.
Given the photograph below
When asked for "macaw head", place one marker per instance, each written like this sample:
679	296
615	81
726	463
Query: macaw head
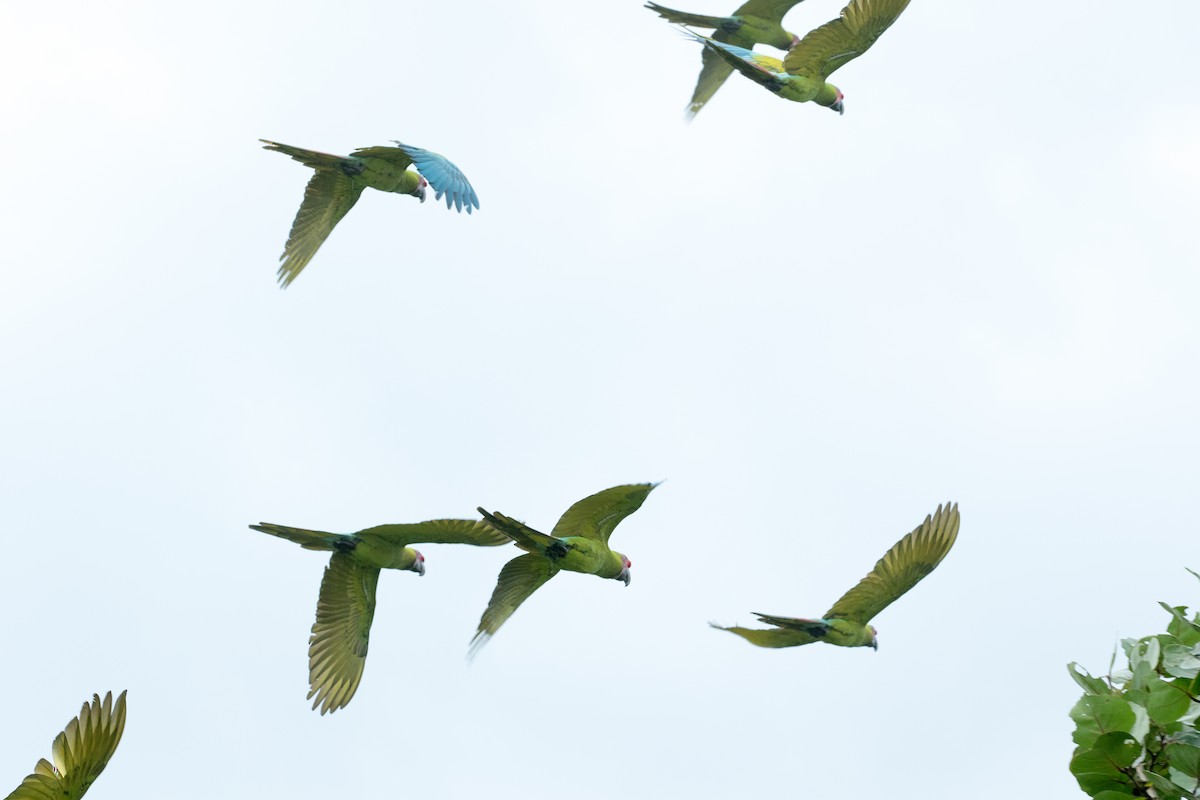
418	565
874	639
831	97
623	575
838	106
419	192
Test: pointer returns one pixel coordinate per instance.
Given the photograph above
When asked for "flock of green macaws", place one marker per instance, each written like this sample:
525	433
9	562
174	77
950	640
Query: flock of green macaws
578	542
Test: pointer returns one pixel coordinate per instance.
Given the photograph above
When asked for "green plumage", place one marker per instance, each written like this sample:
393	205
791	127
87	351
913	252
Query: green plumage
340	180
578	543
845	623
754	22
804	73
337	648
80	753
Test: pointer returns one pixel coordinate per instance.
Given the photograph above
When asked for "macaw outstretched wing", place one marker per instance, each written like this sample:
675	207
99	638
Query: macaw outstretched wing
844	39
80	752
337	649
901	568
443	176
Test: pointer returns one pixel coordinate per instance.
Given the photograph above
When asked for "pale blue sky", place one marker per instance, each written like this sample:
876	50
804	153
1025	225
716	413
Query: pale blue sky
980	284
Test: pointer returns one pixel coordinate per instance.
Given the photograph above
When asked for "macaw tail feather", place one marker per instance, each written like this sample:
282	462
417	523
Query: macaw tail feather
774	637
309	158
684	18
309	540
526	537
817	628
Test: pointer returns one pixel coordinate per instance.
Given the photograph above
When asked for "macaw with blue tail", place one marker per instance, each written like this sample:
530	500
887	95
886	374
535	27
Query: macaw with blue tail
340	180
803	74
754	22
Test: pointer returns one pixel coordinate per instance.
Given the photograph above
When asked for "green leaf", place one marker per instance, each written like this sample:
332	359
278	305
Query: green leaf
1167	703
1086	681
1095	772
1183	780
1144	651
1185	758
1165	786
1114	794
1119	748
1096	715
1197	574
1180	626
1182	661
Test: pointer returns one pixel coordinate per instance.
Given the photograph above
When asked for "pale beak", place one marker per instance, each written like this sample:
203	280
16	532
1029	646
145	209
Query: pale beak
419	568
839	107
624	576
421	193
875	645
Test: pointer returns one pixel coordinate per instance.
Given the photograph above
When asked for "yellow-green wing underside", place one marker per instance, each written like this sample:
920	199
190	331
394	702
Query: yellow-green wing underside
337	649
329	196
844	39
595	517
901	568
520	578
438	531
713	74
80	753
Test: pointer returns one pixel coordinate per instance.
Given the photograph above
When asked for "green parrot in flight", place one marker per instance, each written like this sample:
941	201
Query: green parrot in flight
579	543
80	752
339	180
337	649
802	75
845	624
754	22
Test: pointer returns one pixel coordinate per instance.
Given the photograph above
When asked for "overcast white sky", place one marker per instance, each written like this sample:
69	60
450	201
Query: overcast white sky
980	284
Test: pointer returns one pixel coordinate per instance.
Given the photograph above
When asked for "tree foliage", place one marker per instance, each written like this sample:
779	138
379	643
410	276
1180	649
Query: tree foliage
1135	729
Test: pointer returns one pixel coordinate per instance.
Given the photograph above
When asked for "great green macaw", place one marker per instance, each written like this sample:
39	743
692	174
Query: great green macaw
803	73
337	649
339	180
845	624
579	543
80	752
754	22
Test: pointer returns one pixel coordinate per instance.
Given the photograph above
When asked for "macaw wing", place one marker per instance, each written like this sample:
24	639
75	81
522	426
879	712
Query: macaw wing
438	531
518	579
713	73
80	752
443	176
393	155
337	649
901	568
595	517
771	637
844	39
330	194
766	9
